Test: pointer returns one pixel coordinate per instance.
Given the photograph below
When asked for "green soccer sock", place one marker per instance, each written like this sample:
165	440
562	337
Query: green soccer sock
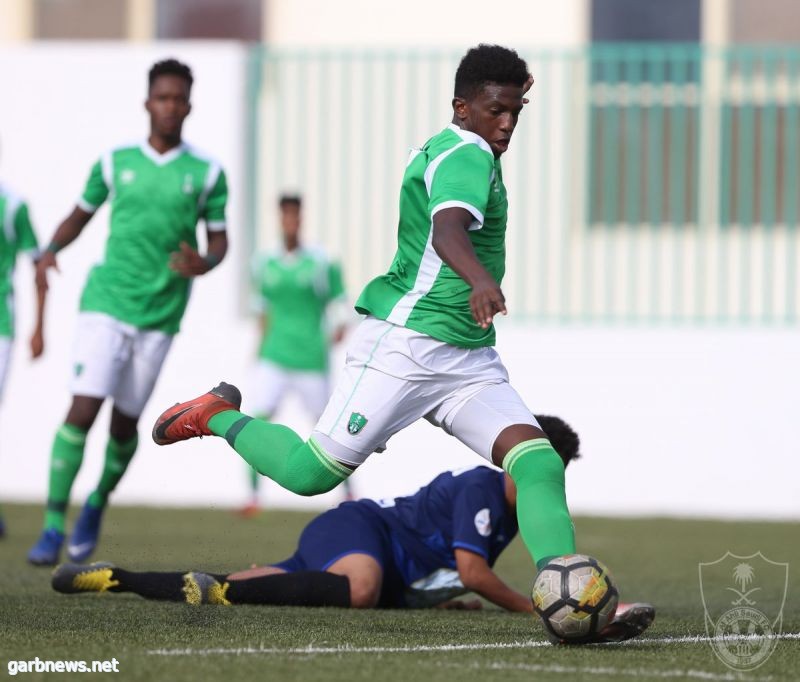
544	521
118	457
253	481
254	475
279	453
65	461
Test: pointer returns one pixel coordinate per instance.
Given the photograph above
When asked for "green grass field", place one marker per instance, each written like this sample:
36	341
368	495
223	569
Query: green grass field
652	559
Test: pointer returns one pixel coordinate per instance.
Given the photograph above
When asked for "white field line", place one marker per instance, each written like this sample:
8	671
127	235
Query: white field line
424	648
615	672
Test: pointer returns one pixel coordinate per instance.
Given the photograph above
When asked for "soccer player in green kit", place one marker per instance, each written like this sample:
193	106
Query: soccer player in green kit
16	236
134	300
425	349
301	296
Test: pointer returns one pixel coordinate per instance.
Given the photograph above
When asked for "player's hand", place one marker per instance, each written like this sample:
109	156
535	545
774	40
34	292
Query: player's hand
37	344
46	261
188	262
485	301
338	334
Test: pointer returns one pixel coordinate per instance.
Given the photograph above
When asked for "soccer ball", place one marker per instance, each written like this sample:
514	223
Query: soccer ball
575	597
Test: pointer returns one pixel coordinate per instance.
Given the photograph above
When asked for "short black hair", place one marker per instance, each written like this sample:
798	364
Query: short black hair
290	200
169	67
489	64
562	437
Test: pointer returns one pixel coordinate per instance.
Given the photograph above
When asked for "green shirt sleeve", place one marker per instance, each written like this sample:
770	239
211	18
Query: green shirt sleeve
335	282
214	209
26	237
96	190
462	179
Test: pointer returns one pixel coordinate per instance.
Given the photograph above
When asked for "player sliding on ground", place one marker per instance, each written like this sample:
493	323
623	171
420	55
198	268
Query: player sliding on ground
425	349
417	551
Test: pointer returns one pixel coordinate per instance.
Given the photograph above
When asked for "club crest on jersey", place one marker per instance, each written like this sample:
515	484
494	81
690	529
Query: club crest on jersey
127	176
188	184
356	423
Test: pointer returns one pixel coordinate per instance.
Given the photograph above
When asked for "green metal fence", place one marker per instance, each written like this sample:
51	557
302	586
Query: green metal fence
650	183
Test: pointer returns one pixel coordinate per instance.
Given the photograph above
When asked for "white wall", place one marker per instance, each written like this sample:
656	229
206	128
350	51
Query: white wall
422	23
672	421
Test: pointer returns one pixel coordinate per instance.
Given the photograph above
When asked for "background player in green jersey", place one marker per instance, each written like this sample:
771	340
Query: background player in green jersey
16	236
133	302
301	297
425	348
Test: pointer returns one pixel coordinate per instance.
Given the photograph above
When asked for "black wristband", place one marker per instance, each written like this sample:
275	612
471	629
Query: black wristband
212	260
53	248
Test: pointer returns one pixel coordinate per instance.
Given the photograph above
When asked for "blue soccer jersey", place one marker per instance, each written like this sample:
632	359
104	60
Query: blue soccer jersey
463	510
414	538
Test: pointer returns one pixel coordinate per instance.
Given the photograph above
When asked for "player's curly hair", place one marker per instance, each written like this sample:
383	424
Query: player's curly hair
562	437
170	67
488	64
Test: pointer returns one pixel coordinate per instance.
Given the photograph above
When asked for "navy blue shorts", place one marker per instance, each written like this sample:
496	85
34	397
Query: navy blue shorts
350	528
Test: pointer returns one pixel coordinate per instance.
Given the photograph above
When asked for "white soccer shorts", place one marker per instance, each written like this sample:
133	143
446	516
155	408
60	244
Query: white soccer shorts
394	376
5	360
117	360
271	383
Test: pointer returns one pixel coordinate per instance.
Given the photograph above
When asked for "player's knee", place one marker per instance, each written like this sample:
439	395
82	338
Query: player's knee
534	459
309	488
311	471
364	594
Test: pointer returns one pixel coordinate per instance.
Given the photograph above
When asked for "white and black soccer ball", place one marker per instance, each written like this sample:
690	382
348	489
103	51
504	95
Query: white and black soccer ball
575	596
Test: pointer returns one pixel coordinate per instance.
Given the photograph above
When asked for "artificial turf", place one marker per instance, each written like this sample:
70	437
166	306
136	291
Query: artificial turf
652	559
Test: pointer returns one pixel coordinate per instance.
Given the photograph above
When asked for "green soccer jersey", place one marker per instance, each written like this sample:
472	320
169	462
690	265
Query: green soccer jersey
16	235
156	201
456	168
295	288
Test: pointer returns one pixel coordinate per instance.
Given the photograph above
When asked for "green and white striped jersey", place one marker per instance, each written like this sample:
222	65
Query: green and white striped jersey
156	202
454	168
294	289
16	236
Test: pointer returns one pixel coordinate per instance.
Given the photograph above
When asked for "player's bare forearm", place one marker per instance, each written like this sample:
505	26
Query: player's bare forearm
217	246
477	576
452	244
66	233
37	337
69	229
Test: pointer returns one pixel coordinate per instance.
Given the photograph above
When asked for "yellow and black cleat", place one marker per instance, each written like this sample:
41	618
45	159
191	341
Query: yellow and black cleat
201	588
73	578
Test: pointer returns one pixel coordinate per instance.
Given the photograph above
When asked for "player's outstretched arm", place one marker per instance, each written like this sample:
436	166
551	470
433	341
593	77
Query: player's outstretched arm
189	263
477	576
451	242
66	233
37	337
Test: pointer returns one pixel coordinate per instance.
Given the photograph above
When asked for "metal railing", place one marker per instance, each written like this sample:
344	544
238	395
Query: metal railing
647	183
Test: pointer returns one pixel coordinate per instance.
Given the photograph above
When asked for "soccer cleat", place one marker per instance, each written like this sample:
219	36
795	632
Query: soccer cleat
47	548
83	540
631	620
201	588
249	511
73	578
190	419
